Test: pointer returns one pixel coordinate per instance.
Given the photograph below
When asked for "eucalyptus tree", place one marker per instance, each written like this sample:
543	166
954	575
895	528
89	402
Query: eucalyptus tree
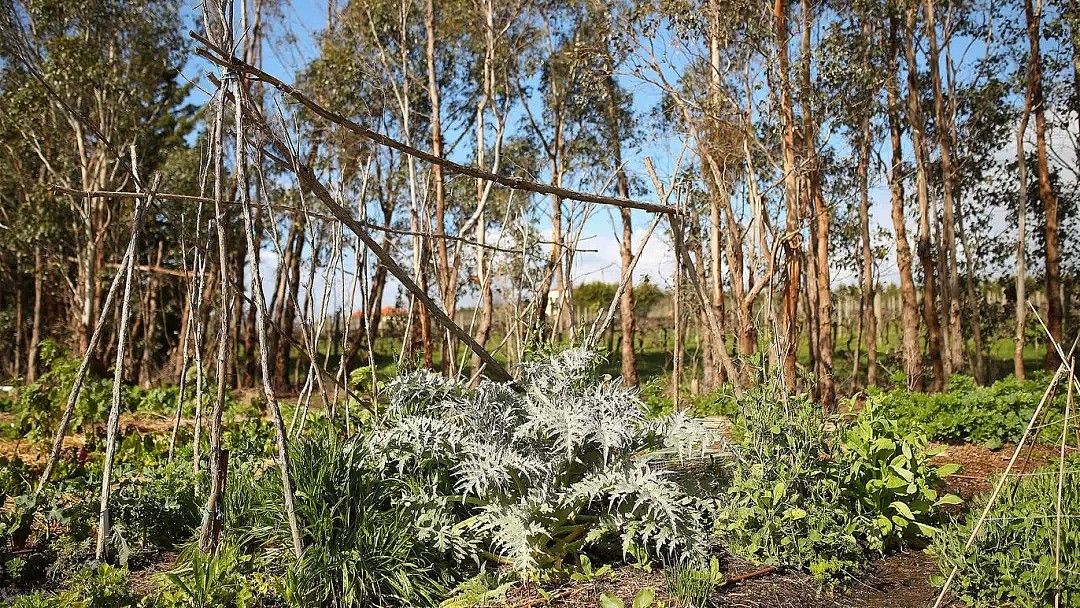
853	54
1047	195
344	76
374	64
912	353
84	80
713	102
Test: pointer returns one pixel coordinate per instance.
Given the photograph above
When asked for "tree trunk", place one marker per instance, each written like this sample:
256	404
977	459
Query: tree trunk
447	283
869	319
820	224
1021	233
791	239
153	288
35	329
949	268
926	256
290	309
1054	311
909	308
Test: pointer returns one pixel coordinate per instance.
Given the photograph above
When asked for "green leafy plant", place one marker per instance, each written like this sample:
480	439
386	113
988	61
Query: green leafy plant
587	573
39	404
363	543
888	478
991	415
692	586
815	494
103	586
156	507
643	599
207	580
1012	561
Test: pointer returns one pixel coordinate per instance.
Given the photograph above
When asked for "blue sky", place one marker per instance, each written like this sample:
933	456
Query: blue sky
304	19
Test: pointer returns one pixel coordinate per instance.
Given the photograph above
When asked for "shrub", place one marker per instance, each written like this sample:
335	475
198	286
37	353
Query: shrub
540	474
823	498
888	479
156	507
990	415
40	403
1012	559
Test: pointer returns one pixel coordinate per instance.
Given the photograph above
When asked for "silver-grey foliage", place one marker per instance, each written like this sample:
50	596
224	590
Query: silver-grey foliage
531	477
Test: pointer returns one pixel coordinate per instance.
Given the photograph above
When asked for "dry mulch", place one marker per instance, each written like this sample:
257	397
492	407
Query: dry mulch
900	581
981	464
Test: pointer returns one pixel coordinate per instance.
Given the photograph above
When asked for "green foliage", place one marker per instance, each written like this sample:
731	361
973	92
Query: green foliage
692	586
158	508
965	413
597	295
594	295
888	478
656	395
364	545
1012	559
586	572
643	599
101	587
823	500
207	580
40	403
538	475
484	589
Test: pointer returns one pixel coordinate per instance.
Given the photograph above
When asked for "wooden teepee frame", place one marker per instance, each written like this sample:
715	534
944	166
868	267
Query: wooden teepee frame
1066	370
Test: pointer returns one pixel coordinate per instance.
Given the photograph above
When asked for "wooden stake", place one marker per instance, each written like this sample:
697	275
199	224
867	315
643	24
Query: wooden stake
113	426
1004	476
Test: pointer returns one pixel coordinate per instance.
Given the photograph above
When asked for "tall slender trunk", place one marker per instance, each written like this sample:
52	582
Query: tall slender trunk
1021	233
290	310
1051	211
869	319
820	225
35	329
926	256
259	302
715	237
447	283
225	312
150	310
484	273
792	249
949	268
974	298
627	324
17	356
